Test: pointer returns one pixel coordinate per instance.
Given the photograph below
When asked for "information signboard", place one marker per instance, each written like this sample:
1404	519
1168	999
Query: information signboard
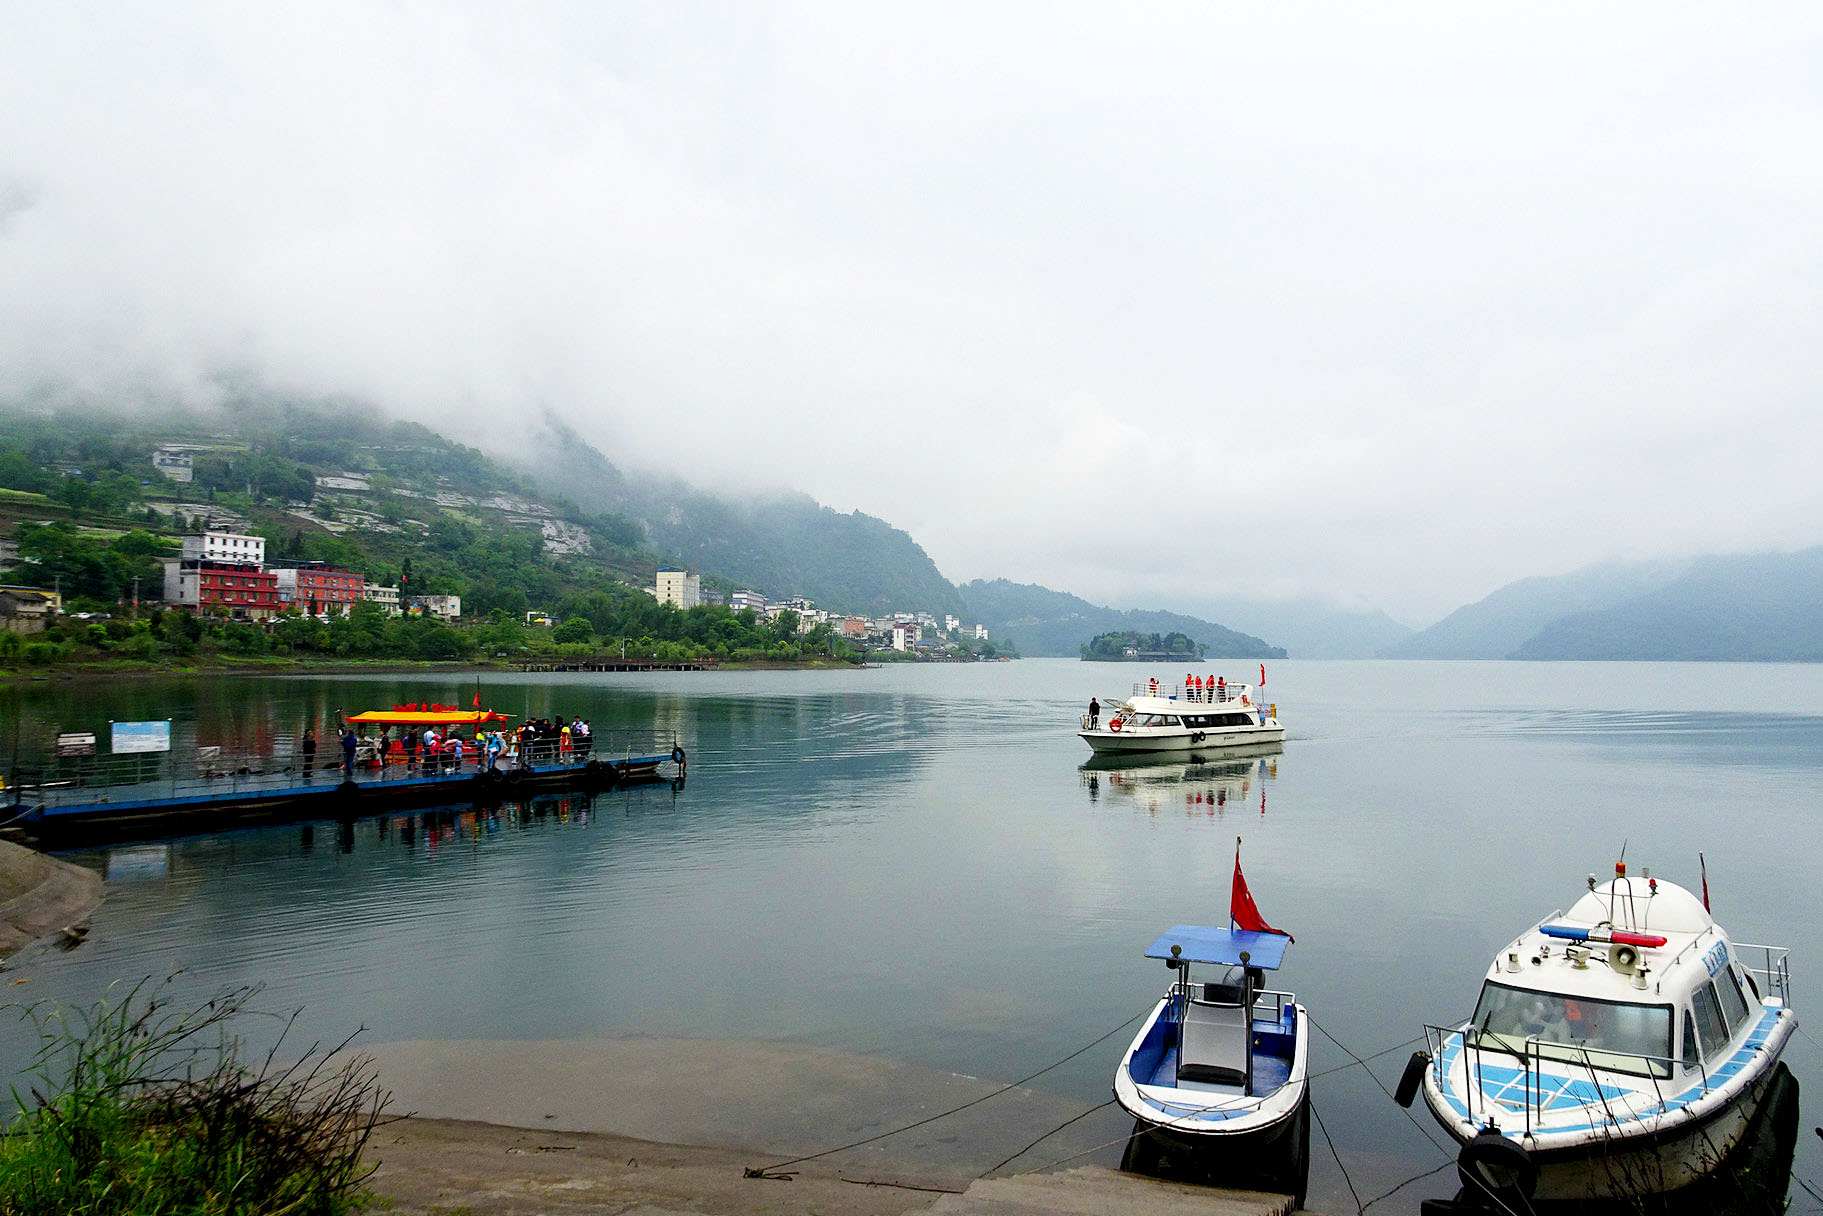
130	737
75	743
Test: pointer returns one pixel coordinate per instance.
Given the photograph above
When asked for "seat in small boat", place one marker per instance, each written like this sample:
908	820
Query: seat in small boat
1215	1044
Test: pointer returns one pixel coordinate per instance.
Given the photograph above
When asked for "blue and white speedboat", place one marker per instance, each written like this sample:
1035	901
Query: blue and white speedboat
1216	1079
1618	1049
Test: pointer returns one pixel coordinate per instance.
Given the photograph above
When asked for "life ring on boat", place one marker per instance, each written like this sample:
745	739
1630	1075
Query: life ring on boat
1497	1169
677	754
1114	725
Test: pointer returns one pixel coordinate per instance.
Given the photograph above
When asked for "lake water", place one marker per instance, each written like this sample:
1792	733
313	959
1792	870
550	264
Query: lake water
913	863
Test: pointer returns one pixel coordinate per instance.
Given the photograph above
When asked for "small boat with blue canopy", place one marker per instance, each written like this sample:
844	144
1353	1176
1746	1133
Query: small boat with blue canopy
1216	1078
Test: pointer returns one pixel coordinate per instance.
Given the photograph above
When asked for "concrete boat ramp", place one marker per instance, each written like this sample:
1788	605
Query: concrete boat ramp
1094	1190
650	1126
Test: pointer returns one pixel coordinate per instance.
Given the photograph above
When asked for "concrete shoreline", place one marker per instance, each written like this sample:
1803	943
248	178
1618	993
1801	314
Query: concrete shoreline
660	1125
41	896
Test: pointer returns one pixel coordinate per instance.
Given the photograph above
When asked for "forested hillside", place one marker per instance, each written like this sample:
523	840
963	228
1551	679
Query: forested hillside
779	543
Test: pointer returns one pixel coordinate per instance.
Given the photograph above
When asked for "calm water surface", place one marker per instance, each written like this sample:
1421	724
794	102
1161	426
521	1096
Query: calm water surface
913	863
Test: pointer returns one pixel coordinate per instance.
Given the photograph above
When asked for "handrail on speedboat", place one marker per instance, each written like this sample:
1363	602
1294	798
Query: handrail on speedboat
1777	970
1531	1053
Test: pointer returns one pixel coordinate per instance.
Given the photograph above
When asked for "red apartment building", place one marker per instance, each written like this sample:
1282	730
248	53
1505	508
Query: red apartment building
232	589
319	589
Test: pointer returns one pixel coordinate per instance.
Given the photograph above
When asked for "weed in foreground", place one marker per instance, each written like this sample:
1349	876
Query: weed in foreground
142	1106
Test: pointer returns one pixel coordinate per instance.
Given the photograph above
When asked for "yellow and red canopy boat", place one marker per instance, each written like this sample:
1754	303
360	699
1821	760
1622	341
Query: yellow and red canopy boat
426	715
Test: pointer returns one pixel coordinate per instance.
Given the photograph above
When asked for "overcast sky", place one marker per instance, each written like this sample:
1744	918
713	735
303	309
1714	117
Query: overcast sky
1391	304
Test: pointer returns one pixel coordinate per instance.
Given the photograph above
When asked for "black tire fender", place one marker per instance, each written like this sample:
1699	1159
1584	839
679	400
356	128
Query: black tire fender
1492	1167
677	755
1412	1078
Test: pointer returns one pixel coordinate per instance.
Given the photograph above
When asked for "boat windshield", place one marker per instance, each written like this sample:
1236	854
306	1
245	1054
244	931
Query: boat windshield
1610	1035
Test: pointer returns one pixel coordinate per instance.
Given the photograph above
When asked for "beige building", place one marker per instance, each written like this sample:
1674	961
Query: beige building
27	609
681	587
386	597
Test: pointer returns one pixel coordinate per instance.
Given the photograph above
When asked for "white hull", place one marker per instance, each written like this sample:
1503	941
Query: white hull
1169	739
1621	1166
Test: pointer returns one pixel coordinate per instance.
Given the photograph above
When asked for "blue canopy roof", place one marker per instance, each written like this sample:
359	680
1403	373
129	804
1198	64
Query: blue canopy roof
1204	944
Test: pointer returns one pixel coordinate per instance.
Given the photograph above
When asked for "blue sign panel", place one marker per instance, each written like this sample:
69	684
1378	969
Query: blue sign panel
141	736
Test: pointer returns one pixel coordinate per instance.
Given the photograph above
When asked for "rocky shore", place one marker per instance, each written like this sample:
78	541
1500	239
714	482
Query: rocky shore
42	897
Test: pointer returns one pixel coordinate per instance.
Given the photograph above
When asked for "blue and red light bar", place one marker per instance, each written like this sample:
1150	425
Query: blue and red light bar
1619	937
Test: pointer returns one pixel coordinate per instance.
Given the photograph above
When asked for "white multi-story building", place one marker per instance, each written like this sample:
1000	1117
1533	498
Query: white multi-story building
223	547
905	637
681	587
747	599
443	607
951	624
386	597
981	633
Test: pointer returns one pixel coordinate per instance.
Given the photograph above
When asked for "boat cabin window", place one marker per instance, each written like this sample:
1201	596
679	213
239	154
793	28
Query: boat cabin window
1613	1035
1170	721
1709	1025
1734	1001
1691	1060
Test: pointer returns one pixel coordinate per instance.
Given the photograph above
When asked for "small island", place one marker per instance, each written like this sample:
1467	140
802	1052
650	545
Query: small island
1129	646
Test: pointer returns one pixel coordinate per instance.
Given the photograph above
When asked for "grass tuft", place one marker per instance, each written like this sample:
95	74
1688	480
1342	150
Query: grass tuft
139	1107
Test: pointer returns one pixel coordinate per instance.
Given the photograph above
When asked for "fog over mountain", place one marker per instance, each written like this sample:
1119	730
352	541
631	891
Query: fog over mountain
1373	308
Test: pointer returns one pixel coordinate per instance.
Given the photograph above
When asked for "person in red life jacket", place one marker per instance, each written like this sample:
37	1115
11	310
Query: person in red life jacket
1221	688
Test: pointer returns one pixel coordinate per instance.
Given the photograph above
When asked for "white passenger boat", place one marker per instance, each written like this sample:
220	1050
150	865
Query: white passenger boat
1216	1078
1184	718
1619	1049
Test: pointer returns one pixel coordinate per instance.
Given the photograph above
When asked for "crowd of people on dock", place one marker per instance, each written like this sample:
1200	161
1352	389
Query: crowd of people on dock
430	751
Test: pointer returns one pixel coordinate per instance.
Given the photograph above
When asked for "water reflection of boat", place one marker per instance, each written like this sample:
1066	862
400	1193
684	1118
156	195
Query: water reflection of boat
1199	783
1617	1050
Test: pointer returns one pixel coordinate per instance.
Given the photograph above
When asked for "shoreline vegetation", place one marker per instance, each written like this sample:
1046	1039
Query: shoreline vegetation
129	669
170	641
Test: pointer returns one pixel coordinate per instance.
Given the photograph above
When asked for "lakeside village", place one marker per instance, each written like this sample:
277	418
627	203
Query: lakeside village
224	577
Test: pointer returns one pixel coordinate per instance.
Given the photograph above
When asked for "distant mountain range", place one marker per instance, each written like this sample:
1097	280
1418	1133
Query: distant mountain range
265	452
1042	622
1761	607
1307	628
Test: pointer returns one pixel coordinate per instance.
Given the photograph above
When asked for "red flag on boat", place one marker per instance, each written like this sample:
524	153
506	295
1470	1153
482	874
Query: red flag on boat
1241	908
1262	675
1705	868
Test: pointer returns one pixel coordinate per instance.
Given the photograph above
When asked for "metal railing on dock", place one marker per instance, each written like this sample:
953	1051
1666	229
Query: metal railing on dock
211	774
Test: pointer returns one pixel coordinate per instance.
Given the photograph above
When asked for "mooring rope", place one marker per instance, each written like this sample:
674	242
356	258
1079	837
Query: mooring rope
773	1171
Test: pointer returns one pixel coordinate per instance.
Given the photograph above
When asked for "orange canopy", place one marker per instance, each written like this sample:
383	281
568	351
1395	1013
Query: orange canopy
428	717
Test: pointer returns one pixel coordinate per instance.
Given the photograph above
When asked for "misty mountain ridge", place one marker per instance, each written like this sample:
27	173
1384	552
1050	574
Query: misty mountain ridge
1308	628
1765	607
783	544
1496	626
1043	622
